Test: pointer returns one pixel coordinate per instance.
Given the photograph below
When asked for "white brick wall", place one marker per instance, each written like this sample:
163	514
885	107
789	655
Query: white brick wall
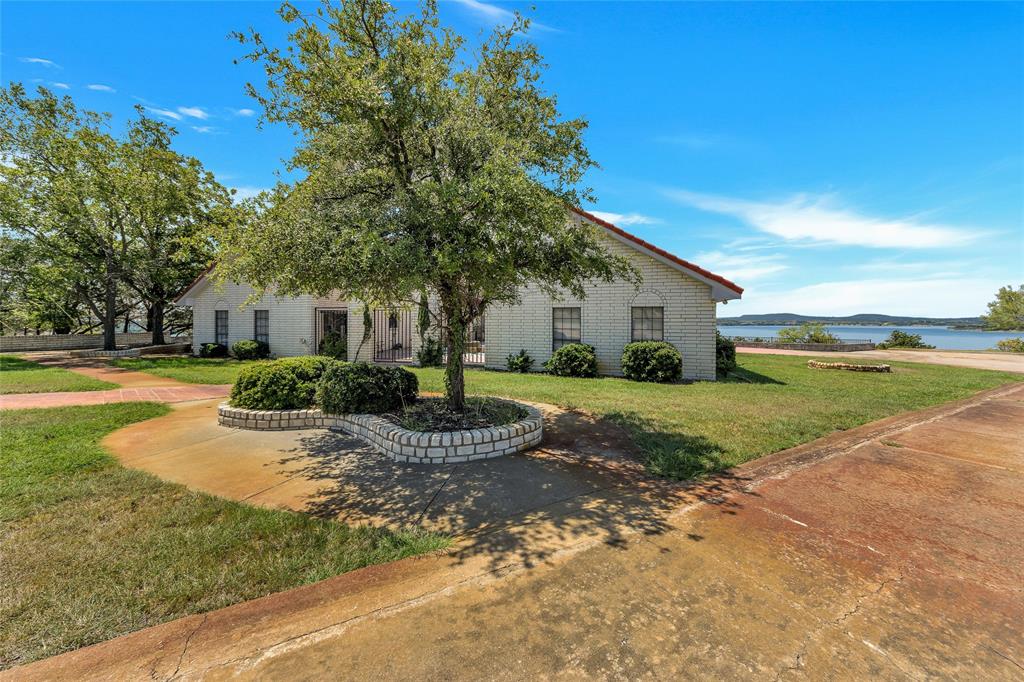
689	319
689	322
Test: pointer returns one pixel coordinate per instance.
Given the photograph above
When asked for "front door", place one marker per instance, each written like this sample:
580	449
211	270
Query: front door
331	327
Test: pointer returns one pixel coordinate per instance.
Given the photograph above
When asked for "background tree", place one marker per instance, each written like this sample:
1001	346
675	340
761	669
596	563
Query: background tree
426	166
1007	311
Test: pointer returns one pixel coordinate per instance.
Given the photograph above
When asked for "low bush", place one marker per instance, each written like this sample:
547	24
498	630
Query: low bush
808	332
725	354
213	350
285	384
898	339
1011	345
573	360
251	350
334	345
359	387
519	362
652	361
431	353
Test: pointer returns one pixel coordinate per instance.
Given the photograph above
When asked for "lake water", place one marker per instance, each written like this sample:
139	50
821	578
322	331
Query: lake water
940	337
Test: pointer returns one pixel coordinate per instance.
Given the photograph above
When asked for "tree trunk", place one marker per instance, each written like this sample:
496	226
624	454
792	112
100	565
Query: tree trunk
454	379
157	323
110	307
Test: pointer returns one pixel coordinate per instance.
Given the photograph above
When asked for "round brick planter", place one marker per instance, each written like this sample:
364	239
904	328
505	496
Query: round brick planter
402	445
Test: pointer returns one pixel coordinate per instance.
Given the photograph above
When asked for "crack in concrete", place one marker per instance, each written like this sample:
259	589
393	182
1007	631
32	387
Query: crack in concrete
188	641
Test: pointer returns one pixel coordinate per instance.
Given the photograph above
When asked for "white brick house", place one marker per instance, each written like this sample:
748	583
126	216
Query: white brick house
675	303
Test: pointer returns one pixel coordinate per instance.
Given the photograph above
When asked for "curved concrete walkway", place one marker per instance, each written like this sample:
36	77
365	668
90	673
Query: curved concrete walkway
889	551
135	386
1005	362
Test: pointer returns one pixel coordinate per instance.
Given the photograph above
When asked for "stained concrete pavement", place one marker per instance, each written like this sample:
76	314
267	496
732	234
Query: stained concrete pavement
893	551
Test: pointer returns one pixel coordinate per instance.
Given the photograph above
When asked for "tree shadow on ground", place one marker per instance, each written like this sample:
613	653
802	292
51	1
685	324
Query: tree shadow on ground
742	375
585	483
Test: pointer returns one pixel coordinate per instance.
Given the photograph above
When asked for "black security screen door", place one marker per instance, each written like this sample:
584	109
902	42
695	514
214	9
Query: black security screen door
330	321
392	335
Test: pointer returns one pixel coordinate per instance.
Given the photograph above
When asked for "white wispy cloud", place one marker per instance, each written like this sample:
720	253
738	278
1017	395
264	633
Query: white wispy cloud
739	267
927	297
626	219
40	61
204	129
165	113
244	112
497	14
194	112
62	86
817	219
99	87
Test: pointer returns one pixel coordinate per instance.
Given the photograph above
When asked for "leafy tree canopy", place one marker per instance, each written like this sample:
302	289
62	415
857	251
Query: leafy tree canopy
427	166
1007	311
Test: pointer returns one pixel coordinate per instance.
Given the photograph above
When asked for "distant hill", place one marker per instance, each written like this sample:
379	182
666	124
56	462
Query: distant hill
863	319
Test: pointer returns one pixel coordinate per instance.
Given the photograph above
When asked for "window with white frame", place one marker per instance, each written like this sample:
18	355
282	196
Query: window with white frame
566	327
648	323
261	326
220	326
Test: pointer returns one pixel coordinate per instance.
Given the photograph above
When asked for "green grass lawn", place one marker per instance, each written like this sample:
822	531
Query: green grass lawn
24	376
687	430
90	550
189	370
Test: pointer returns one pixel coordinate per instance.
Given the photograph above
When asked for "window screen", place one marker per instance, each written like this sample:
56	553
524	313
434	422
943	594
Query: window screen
261	332
565	327
221	326
648	324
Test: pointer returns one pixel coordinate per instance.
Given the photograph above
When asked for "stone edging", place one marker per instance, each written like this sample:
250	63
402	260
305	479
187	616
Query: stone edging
401	445
120	353
815	364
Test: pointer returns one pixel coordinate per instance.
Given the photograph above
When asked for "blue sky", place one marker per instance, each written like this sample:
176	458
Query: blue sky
830	158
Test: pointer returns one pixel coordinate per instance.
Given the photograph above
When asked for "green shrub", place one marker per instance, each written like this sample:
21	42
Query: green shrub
573	360
898	339
251	350
334	345
359	387
431	353
519	362
1011	345
213	350
808	332
652	361
285	384
725	354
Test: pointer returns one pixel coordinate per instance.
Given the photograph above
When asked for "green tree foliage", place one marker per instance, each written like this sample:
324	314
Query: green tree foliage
898	339
109	216
808	332
1007	311
427	166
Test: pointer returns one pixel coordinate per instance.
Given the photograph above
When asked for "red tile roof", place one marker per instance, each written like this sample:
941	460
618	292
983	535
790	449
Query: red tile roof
661	252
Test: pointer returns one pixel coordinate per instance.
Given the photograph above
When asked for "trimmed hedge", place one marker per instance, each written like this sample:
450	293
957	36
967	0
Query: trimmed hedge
359	387
213	350
652	361
431	353
725	354
573	360
285	384
251	350
334	345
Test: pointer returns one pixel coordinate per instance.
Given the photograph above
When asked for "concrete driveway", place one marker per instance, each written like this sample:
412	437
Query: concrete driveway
891	551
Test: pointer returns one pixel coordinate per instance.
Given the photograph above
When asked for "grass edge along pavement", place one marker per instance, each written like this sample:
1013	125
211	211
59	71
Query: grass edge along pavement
20	376
93	550
772	402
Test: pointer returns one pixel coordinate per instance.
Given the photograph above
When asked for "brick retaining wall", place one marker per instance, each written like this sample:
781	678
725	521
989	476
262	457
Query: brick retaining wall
401	445
23	344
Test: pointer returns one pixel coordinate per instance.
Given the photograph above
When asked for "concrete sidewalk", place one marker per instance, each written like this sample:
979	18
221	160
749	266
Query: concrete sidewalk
892	550
1005	362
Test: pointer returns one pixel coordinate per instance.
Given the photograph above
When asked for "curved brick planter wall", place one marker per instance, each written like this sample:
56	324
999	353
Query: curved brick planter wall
815	364
400	444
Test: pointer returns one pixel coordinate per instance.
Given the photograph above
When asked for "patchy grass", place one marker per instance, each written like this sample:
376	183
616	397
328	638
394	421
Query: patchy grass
189	370
432	414
91	550
24	376
775	402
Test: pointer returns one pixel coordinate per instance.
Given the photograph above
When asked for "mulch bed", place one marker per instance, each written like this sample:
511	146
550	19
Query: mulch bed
432	414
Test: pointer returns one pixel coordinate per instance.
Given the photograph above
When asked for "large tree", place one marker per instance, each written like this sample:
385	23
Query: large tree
117	214
1007	311
426	167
